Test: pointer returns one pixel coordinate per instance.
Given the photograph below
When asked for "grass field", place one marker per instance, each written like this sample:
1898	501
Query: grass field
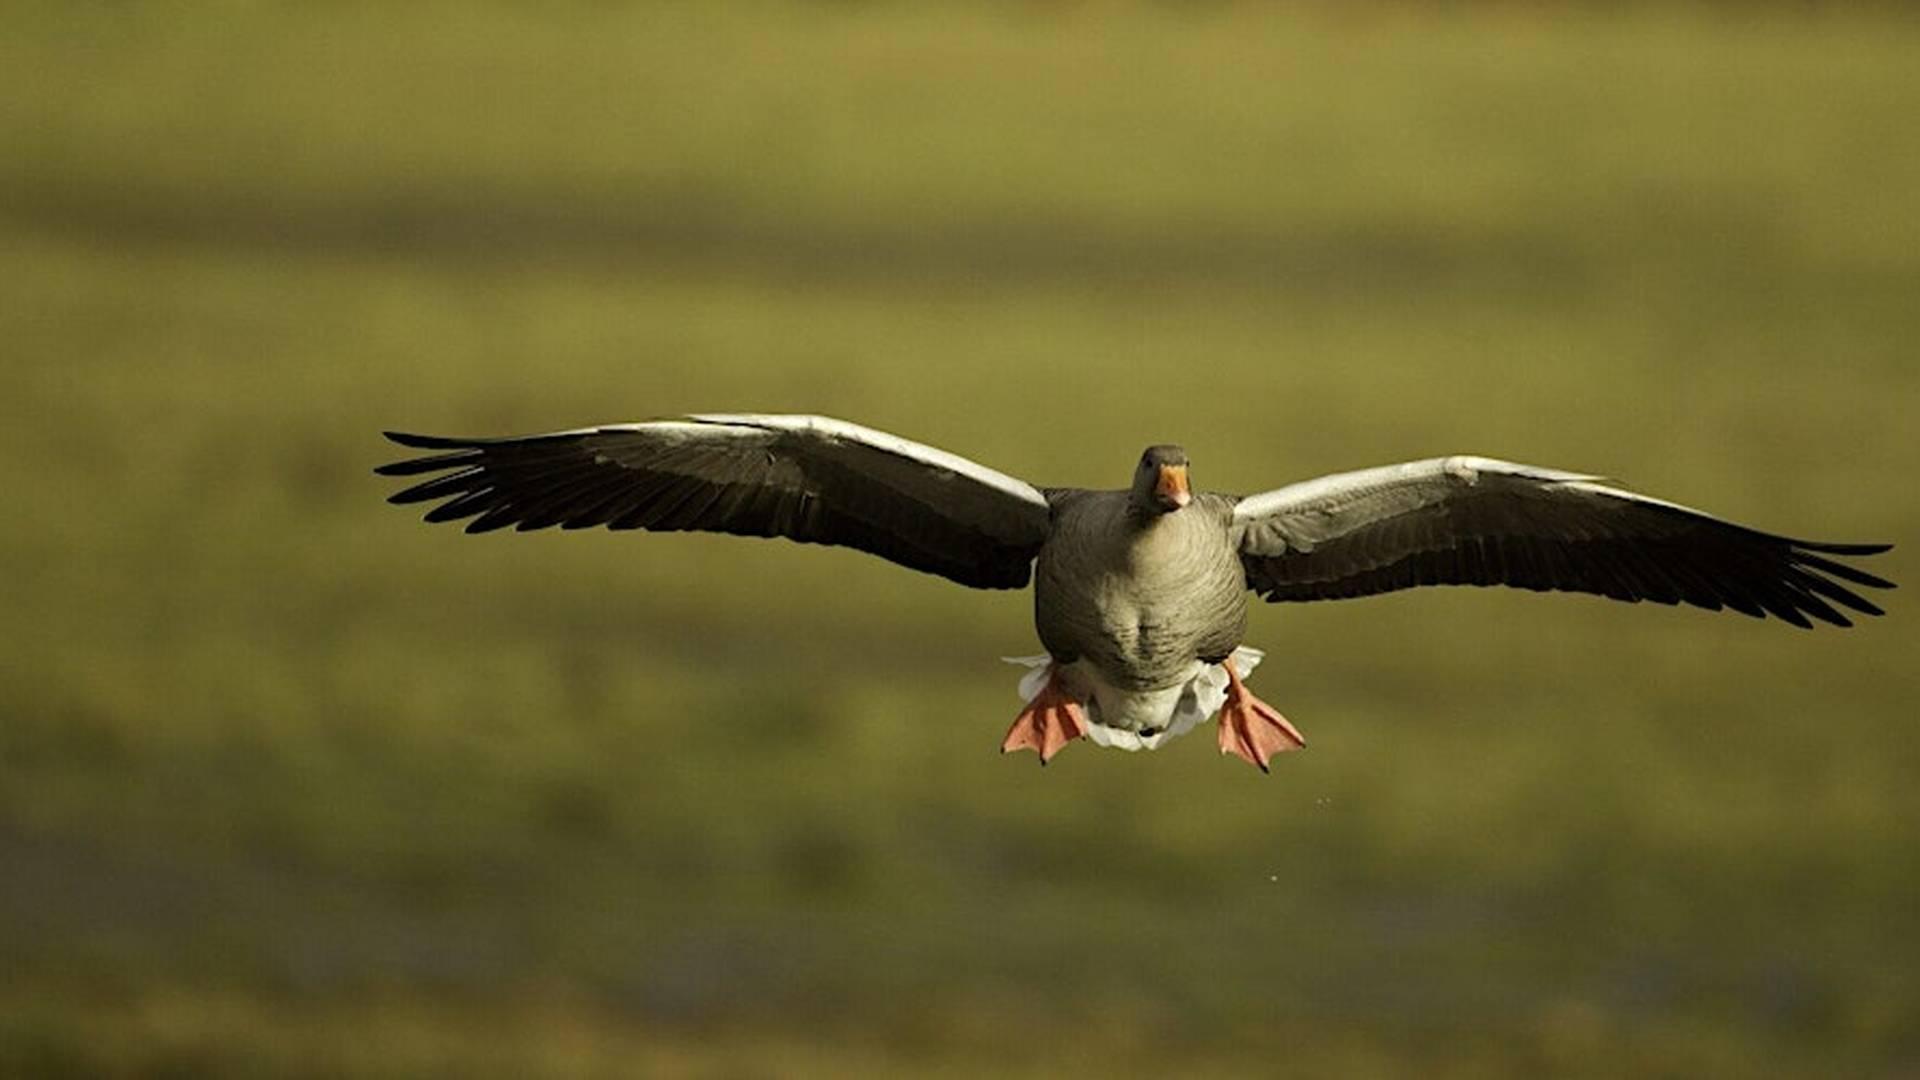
293	784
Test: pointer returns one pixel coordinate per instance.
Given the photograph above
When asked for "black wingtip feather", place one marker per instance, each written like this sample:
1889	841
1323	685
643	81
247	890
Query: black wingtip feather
1835	593
1845	572
493	520
467	505
452	484
428	442
1843	549
1812	605
430	463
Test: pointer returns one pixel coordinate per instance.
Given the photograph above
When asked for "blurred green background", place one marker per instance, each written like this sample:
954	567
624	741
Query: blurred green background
293	784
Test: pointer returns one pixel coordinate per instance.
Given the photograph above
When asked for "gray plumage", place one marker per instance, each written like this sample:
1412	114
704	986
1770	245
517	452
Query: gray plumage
1140	595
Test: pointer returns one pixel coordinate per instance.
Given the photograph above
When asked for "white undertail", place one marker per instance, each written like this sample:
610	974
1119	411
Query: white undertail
1139	719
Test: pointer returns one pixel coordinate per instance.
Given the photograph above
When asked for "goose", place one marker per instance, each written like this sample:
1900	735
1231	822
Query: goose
1140	593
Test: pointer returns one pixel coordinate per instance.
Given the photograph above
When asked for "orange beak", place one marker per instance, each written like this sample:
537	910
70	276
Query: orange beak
1172	486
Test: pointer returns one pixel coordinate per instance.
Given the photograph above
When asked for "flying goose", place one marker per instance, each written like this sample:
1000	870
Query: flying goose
1140	594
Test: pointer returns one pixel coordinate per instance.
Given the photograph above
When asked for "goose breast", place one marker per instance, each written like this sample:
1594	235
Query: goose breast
1141	601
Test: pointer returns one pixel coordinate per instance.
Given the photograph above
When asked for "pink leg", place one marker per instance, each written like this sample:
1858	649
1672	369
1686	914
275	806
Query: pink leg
1050	721
1252	728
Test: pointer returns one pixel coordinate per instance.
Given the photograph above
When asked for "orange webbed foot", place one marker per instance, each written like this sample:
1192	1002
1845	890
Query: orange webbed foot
1251	728
1050	721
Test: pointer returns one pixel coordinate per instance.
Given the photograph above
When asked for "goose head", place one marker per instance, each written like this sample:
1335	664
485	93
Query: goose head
1160	482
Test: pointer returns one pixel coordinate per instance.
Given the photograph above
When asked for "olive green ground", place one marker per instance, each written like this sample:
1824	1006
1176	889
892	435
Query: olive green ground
290	783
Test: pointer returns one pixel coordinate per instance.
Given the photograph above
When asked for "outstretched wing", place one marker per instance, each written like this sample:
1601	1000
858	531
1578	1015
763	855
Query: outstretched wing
806	478
1477	521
